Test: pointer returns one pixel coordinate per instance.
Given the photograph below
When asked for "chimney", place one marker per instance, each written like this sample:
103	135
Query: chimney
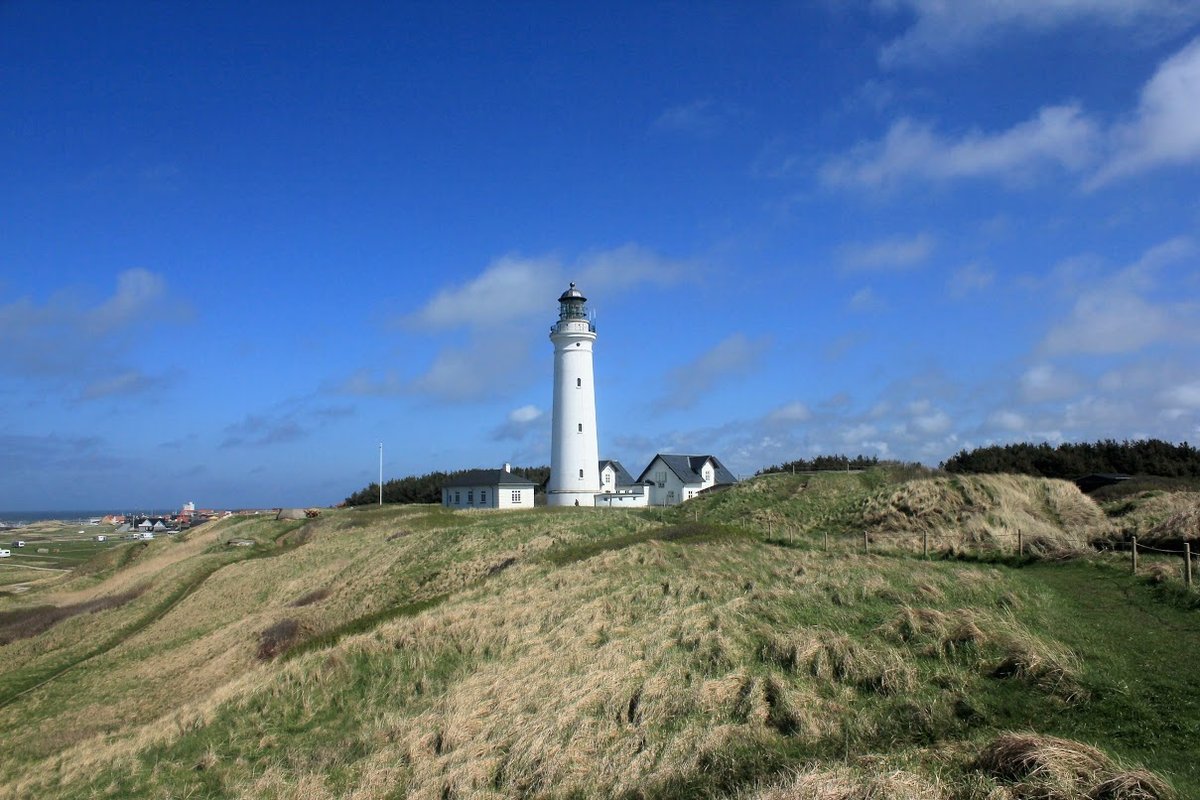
507	467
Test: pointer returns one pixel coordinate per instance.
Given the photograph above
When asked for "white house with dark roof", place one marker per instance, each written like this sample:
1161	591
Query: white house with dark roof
618	488
673	479
487	488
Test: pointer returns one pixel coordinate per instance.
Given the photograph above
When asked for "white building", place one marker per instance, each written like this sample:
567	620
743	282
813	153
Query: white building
619	489
574	478
674	479
487	488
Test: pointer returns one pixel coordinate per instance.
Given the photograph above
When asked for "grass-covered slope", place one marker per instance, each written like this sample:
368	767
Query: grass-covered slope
713	650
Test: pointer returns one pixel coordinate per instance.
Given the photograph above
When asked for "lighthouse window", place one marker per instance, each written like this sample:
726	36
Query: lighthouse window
578	382
581	473
581	427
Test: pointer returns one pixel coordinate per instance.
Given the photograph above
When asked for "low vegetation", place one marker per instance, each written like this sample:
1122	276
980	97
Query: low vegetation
722	649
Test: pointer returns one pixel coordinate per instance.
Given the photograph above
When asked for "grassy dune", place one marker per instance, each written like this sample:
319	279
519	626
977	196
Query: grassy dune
713	650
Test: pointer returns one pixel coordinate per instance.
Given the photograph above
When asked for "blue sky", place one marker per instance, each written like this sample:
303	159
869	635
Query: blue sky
241	244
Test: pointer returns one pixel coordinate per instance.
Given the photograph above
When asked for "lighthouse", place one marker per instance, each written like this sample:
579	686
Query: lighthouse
574	458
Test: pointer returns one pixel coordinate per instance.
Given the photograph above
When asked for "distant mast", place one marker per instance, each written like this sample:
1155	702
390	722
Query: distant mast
574	453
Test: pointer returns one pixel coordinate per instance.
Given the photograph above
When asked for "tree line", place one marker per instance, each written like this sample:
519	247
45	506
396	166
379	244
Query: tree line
822	463
427	488
1069	461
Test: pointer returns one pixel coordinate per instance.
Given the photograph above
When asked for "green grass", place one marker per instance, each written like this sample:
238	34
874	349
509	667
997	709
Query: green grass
698	651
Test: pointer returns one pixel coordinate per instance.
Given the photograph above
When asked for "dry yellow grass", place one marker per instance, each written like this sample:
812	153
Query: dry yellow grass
974	511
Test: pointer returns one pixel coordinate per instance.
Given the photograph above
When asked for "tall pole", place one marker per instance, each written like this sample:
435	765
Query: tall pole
381	474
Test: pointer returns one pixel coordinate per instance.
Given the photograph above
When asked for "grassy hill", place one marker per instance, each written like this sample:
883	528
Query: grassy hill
727	648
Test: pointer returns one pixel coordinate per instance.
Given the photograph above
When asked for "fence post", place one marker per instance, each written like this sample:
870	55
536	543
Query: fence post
925	543
1135	555
1187	564
826	541
770	529
1020	543
866	544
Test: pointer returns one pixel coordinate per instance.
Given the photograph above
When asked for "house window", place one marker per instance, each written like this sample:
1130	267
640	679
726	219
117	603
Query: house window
608	477
470	496
661	479
707	474
483	497
457	499
516	496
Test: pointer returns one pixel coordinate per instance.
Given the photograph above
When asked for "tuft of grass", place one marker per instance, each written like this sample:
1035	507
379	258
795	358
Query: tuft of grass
28	622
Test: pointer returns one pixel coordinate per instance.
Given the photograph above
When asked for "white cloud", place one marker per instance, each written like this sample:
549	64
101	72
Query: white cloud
516	288
1008	420
970	280
1114	315
887	255
699	118
735	355
943	28
1165	129
1059	136
501	302
1183	396
865	300
70	339
519	423
1044	382
791	413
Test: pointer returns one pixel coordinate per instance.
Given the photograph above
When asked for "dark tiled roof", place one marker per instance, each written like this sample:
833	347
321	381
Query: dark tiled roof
687	468
623	476
486	477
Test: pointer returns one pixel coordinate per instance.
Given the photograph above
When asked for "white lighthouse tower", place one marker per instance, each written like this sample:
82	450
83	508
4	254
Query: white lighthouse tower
574	455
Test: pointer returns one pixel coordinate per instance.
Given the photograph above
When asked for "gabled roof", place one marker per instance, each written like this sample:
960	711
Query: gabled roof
687	468
623	476
485	477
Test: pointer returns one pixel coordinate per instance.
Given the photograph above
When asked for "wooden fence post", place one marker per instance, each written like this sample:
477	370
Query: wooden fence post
925	543
1135	555
770	529
1020	543
826	541
1187	564
866	544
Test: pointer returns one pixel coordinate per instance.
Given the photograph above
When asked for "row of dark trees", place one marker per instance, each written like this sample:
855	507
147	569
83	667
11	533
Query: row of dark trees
427	488
1069	461
821	463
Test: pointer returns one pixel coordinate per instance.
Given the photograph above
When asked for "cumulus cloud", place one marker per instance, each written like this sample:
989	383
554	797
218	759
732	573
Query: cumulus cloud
1058	136
790	414
941	29
1045	382
519	423
73	340
500	304
1165	128
733	356
516	288
1116	314
969	280
888	255
701	118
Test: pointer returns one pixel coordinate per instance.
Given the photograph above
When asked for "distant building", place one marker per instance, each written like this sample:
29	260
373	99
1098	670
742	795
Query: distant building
674	479
618	488
488	488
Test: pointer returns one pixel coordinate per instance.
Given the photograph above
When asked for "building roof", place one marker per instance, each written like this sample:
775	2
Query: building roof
485	477
623	476
687	468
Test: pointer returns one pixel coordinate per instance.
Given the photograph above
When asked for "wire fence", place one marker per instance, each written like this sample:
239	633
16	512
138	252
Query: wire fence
991	543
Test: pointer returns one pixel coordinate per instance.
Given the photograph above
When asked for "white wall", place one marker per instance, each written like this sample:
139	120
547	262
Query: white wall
487	497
